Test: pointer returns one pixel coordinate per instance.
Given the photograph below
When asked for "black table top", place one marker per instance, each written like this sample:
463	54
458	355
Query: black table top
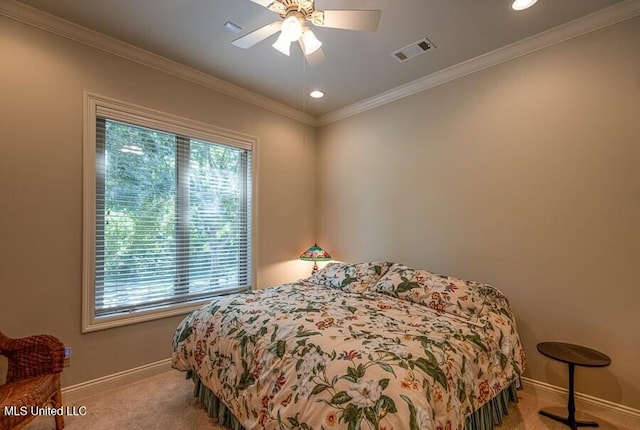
574	354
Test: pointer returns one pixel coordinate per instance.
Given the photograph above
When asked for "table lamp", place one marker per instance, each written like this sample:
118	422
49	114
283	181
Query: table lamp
315	254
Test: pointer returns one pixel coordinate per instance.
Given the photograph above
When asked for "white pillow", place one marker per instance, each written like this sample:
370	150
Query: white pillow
4	368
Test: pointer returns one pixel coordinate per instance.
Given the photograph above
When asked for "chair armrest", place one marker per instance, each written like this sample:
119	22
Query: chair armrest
32	356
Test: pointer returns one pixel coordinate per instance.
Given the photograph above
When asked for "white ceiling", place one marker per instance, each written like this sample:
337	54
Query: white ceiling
358	65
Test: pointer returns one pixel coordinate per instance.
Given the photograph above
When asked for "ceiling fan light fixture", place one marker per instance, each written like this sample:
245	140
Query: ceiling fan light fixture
292	28
522	4
293	16
283	44
310	42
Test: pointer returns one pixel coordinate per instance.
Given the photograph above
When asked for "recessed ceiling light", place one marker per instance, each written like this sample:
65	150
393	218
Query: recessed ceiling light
522	4
316	94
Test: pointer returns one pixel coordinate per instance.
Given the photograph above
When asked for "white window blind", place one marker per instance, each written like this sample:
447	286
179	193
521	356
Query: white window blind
172	217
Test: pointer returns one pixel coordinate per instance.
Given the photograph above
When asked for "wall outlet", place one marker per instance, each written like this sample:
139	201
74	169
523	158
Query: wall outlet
67	356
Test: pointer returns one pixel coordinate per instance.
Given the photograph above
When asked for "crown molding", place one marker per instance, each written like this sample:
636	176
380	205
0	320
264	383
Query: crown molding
61	27
45	21
592	22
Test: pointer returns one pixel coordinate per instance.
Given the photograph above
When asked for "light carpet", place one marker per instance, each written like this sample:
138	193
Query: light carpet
166	401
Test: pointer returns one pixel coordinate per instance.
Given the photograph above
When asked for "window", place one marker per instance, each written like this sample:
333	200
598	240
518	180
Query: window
168	214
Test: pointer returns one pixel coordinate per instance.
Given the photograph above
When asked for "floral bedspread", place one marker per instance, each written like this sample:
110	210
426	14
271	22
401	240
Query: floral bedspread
309	356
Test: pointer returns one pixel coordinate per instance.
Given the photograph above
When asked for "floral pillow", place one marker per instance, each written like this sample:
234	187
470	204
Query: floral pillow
444	294
356	278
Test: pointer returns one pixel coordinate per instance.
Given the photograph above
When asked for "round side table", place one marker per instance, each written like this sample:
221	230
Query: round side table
573	355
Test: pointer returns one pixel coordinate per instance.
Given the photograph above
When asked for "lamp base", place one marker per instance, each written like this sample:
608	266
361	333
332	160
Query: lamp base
315	268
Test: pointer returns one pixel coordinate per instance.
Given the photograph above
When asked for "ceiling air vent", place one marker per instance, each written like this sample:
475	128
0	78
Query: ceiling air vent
413	50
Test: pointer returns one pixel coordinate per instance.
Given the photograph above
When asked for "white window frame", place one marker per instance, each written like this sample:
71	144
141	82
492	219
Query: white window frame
95	105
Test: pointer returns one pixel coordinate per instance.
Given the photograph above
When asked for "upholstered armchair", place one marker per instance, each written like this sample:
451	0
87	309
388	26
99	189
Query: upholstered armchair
33	379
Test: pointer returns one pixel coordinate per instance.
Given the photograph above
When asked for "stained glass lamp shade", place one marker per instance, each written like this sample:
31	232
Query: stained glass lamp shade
315	254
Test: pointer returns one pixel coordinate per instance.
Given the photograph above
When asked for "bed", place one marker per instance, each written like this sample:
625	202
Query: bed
371	345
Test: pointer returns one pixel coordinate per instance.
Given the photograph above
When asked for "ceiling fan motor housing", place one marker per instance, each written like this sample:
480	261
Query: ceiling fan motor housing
285	8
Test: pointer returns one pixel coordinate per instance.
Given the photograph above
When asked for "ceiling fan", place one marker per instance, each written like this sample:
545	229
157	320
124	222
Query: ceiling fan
295	14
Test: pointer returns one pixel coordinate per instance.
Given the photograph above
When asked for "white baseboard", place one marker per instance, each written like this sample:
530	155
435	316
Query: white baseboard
79	391
604	409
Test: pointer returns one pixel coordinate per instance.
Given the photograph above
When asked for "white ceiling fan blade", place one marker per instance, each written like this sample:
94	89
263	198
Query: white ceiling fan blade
264	3
250	39
272	5
362	20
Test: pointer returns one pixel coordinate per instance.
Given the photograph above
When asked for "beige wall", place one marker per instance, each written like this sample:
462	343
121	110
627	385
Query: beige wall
525	176
42	80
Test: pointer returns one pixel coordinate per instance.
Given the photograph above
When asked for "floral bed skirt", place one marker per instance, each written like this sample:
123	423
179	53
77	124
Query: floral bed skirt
485	418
